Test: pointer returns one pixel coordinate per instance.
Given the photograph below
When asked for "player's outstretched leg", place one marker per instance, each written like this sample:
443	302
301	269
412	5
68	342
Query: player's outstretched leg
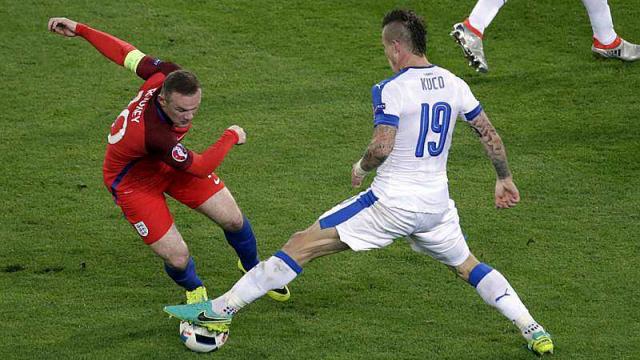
279	294
244	243
275	272
496	291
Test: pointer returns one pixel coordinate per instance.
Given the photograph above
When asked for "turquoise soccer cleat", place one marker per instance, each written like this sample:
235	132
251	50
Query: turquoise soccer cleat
200	314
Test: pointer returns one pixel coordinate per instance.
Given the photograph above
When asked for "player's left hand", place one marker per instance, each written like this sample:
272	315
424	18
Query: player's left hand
507	194
62	26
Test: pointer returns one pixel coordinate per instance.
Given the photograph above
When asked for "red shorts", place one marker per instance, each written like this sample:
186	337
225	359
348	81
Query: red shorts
146	208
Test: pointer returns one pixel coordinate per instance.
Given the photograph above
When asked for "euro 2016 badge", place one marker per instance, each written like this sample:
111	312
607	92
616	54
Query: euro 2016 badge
179	153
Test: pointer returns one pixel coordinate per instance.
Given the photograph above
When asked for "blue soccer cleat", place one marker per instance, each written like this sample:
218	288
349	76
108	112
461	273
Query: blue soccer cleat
200	314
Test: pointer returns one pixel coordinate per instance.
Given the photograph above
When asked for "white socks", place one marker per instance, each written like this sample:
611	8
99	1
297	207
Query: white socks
599	14
274	273
601	21
496	291
484	12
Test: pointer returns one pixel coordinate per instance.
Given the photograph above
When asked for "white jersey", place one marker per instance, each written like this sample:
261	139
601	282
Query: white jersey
423	103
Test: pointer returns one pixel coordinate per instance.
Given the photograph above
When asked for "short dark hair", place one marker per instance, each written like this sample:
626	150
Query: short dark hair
181	81
413	30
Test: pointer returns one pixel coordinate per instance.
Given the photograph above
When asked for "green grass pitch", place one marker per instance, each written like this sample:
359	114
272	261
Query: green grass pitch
76	281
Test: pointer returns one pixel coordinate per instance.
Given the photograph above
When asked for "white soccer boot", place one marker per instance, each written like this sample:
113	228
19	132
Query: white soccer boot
624	50
470	40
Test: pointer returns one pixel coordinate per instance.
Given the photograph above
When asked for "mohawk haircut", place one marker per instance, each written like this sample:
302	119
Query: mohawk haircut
181	81
406	26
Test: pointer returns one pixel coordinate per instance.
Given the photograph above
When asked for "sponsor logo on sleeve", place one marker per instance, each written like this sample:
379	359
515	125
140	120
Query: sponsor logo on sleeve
141	228
179	153
379	108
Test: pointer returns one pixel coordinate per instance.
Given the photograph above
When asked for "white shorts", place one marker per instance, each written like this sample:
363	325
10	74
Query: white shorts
364	223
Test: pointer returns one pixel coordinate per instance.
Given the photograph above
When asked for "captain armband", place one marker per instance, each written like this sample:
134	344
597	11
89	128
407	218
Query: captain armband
133	59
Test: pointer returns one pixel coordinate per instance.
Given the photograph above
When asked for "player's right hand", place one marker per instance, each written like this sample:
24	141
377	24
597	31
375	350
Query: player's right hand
357	174
507	194
62	26
242	136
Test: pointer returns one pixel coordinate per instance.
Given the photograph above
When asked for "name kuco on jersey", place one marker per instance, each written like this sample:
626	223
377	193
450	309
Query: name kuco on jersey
423	104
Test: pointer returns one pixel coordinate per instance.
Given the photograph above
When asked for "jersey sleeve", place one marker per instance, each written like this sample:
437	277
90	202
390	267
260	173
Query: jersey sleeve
387	101
469	106
166	147
147	66
176	155
124	54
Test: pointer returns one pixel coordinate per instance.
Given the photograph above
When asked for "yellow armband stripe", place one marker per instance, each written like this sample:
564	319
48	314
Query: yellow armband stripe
133	59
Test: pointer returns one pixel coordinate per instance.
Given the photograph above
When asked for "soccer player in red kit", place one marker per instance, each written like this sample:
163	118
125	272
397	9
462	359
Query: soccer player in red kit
145	160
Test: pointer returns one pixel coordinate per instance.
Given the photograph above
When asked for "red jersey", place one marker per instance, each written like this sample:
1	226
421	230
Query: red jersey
143	143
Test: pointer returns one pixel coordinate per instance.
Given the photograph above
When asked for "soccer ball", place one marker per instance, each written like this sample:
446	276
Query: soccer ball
199	339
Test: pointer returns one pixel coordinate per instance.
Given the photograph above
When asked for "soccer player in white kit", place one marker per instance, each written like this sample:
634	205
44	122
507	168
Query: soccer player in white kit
606	42
415	113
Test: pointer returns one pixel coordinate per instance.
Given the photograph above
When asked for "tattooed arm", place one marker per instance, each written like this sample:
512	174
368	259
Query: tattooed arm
384	137
506	193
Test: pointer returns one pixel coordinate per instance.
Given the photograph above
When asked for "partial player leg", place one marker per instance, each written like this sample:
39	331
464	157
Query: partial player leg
484	12
179	265
222	208
275	272
210	197
148	213
469	33
281	268
496	291
440	236
601	21
606	42
360	223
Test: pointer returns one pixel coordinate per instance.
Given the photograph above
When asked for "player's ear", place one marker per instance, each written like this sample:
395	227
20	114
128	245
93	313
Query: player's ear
397	46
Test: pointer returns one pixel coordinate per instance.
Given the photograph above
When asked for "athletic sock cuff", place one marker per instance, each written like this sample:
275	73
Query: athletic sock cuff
289	261
241	234
478	273
613	45
473	29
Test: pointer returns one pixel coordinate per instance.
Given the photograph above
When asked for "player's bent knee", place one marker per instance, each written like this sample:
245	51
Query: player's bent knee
178	261
463	270
234	224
